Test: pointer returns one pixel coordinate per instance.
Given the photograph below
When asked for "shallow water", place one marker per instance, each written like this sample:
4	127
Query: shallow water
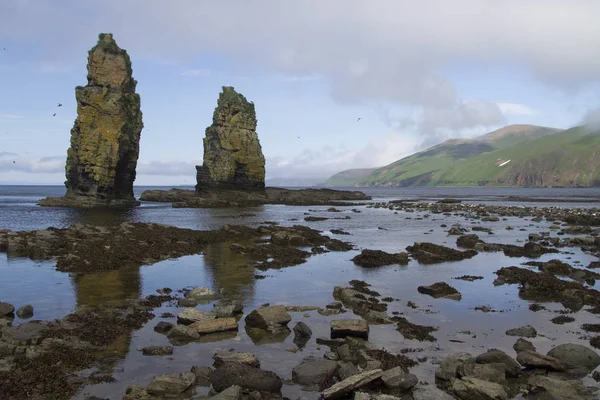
54	294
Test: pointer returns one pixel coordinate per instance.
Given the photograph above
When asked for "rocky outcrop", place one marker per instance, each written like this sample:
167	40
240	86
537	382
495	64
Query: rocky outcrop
105	138
233	157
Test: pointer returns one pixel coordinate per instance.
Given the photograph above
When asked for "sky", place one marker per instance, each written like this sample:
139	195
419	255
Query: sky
415	72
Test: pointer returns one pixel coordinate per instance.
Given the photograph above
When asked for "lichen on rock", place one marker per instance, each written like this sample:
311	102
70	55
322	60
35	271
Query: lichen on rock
233	157
101	162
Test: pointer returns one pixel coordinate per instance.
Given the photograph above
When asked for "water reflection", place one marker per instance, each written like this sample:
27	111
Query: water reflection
107	289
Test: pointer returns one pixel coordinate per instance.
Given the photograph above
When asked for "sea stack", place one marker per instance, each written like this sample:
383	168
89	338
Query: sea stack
233	157
105	138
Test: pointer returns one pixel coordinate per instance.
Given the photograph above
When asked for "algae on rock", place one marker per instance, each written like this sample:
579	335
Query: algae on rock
233	157
101	162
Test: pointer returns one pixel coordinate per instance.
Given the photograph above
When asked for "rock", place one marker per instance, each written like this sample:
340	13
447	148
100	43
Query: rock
157	350
215	325
231	393
341	328
440	289
27	334
6	309
313	373
447	369
468	241
336	305
136	393
354	382
229	356
376	258
531	359
228	310
233	157
171	384
187	302
429	253
102	159
183	333
493	356
524	331
470	388
249	378
25	312
200	294
430	392
397	378
163	327
576	356
523	345
203	375
191	315
373	396
346	370
301	330
558	389
270	318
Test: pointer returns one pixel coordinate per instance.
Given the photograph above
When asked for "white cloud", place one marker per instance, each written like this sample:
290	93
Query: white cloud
592	119
516	109
31	164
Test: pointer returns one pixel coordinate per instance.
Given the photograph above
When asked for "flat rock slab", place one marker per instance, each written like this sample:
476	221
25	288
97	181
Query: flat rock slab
225	356
531	359
182	333
247	377
492	356
268	318
312	373
215	325
340	389
524	331
231	393
440	289
473	388
171	384
341	328
191	315
23	335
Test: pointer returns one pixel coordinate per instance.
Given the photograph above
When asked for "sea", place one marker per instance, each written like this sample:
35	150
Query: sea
461	327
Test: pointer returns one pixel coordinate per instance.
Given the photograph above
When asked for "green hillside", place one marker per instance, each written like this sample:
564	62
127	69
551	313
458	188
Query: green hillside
347	178
517	155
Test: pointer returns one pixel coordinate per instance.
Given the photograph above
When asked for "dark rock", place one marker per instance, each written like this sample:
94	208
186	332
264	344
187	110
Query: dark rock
414	331
231	393
163	327
524	331
102	159
531	359
171	384
228	310
576	356
157	350
269	318
25	312
247	377
493	356
447	369
440	289
313	373
346	370
429	253
377	258
523	345
349	327
203	375
558	389
6	309
233	157
302	333
494	372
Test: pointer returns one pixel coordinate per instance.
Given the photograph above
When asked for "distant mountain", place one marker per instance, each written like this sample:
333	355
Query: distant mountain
517	155
347	178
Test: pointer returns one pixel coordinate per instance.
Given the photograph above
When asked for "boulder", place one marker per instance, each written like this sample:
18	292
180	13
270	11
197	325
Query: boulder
558	388
247	377
231	393
191	315
6	309
312	373
270	318
228	310
157	350
25	312
494	372
350	384
576	356
524	331
341	328
398	378
346	370
447	369
440	289
163	327
531	359
493	356
102	159
522	345
171	384
229	356
203	375
377	258
470	388
215	325
233	157
301	330
182	333
200	294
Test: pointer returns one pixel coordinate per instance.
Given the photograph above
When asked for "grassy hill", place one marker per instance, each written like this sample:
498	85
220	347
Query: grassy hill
347	178
517	155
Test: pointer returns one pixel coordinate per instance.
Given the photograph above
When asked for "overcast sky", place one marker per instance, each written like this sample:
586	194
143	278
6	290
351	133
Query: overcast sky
415	72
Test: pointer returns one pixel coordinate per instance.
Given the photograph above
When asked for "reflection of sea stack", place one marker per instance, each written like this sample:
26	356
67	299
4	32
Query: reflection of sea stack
233	157
105	138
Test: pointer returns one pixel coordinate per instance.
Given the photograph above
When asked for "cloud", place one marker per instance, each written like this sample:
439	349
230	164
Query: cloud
387	50
516	109
592	120
10	116
31	164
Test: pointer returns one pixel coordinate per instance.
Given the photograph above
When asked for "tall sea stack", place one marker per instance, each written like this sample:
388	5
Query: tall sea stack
105	138
233	157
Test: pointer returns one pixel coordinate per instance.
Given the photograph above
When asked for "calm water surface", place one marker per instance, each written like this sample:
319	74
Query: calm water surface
54	294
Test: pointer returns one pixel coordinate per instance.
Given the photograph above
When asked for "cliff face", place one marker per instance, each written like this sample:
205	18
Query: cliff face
233	157
105	138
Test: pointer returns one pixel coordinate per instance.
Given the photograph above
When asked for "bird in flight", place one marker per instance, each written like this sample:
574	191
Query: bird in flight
59	104
358	119
14	162
54	115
